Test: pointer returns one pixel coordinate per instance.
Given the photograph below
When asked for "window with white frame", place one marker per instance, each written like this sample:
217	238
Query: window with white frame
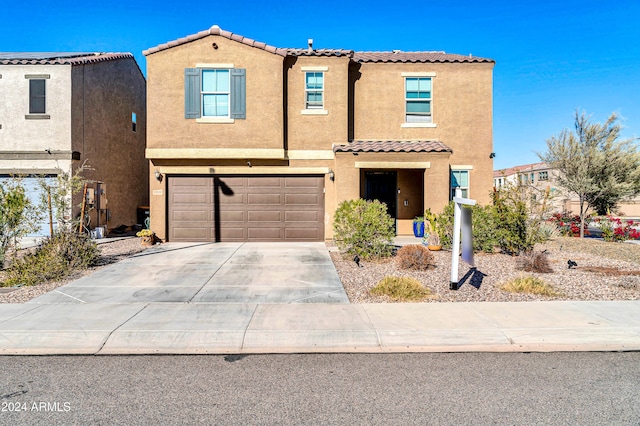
418	100
215	92
314	90
460	179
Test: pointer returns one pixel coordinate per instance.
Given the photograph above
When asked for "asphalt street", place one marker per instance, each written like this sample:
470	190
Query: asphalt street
336	389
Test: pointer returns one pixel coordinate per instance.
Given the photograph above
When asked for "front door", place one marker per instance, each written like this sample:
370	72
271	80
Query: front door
382	186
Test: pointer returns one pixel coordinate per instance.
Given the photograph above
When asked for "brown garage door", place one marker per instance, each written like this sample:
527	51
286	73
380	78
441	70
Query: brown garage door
246	208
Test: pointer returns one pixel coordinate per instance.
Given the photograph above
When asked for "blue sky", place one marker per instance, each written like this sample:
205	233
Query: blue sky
552	56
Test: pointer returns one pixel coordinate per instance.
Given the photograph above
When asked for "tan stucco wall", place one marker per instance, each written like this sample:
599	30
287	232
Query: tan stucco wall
21	134
318	131
461	107
105	95
263	126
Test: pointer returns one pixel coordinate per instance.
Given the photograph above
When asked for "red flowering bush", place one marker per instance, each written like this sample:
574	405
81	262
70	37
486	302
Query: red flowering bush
568	224
617	230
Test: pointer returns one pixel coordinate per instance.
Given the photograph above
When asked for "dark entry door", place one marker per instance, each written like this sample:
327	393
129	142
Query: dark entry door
382	186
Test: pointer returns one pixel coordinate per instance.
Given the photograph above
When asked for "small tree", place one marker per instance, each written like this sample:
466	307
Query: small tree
363	228
594	164
62	192
17	215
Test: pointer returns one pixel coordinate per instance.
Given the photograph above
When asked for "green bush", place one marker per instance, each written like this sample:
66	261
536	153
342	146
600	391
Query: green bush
511	218
54	259
482	222
364	228
401	289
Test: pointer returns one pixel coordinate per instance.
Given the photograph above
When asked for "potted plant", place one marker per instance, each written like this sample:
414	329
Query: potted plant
418	226
433	228
147	236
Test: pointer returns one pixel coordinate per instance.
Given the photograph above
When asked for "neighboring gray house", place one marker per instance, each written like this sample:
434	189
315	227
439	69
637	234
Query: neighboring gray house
61	110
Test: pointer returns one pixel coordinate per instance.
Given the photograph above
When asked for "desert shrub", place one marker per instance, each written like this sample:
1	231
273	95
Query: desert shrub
482	222
529	284
546	231
55	258
534	261
401	289
414	256
511	218
364	228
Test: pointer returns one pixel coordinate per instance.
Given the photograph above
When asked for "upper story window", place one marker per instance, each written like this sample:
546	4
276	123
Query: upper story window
314	90
134	121
418	100
543	175
37	96
215	93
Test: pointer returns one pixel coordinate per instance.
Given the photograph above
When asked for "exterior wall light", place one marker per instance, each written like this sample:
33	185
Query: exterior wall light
332	176
158	175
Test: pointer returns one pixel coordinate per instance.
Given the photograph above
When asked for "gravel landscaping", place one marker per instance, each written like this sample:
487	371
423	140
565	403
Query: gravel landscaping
605	271
619	279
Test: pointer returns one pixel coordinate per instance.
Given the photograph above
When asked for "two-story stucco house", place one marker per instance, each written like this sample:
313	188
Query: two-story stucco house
59	111
249	142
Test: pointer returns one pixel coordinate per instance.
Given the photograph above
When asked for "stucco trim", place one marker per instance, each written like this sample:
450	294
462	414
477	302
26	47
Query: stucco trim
314	112
393	165
418	74
314	68
234	170
30	172
409	125
37	155
215	120
199	65
194	153
461	167
308	154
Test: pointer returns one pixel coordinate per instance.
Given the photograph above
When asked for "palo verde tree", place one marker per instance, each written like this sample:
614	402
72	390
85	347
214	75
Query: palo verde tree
595	164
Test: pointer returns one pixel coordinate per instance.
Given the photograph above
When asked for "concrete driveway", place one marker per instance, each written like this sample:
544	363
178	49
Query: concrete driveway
212	272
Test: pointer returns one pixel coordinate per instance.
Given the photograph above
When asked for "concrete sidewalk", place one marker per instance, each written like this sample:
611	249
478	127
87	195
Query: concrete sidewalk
235	328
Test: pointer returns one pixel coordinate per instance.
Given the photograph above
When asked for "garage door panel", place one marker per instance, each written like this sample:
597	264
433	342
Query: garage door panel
190	233
302	182
265	233
250	208
191	216
230	233
302	199
264	182
265	216
268	199
232	216
304	234
190	199
302	216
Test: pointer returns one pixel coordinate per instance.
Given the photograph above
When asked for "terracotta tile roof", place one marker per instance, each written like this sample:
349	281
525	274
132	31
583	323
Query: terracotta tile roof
395	56
319	52
215	30
58	58
418	57
393	146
